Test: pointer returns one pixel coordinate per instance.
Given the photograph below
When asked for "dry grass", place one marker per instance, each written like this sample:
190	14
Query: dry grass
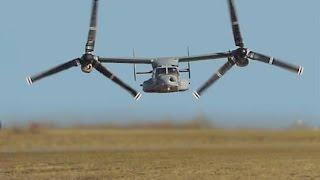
159	154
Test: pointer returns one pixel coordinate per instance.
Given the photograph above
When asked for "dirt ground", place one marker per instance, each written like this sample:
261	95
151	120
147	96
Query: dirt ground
159	154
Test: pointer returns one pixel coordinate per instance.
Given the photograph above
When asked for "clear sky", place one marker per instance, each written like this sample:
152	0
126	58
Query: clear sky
36	35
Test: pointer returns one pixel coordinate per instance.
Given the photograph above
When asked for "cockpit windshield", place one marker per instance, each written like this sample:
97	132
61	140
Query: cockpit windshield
172	70
160	71
169	70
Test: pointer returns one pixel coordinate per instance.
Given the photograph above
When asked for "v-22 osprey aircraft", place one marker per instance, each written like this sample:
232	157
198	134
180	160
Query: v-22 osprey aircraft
165	70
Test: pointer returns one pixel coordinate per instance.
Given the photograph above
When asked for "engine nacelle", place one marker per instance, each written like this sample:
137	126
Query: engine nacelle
86	62
240	57
242	62
87	69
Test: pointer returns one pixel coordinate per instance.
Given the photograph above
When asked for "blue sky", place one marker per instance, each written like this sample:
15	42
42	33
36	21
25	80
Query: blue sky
37	34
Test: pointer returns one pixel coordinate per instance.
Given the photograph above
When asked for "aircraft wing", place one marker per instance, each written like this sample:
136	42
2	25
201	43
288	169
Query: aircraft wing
131	60
204	57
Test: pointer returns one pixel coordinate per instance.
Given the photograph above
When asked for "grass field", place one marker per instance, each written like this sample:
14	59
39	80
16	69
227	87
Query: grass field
159	154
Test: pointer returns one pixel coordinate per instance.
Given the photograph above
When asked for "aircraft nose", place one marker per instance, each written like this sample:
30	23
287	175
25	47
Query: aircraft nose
169	79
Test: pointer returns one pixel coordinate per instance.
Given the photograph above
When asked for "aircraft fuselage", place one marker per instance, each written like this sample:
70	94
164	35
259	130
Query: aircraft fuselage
165	80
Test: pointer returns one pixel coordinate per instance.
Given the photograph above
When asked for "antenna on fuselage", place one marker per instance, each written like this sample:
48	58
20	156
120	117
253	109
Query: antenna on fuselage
134	65
189	70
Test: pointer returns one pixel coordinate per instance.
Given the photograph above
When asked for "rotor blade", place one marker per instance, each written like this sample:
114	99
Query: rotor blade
225	68
93	27
99	67
276	62
57	69
235	24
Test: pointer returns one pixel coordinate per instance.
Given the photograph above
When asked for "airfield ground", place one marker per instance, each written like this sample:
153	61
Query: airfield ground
159	154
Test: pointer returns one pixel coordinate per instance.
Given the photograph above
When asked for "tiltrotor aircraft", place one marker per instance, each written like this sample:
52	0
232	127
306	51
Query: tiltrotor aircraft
165	71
